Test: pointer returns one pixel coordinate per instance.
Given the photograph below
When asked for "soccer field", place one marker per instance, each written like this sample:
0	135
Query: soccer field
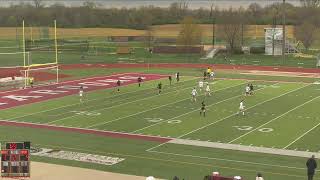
280	127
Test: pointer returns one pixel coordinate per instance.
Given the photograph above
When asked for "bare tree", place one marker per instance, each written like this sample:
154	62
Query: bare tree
310	3
190	34
38	3
231	29
306	33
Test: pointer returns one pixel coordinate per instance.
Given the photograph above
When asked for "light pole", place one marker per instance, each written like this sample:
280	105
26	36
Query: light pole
283	32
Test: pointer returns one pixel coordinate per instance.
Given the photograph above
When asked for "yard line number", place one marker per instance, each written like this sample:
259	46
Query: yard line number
249	128
156	120
86	113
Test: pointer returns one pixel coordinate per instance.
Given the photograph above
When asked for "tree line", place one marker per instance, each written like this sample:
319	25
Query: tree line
90	14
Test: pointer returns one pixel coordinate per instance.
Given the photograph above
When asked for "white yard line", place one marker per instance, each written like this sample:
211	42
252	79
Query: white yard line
274	119
187	112
229	160
38	112
237	113
301	136
103	123
50	122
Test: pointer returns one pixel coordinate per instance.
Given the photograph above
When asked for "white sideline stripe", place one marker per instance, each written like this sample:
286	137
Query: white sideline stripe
274	119
244	148
228	160
50	122
301	136
71	81
189	111
38	112
246	109
117	119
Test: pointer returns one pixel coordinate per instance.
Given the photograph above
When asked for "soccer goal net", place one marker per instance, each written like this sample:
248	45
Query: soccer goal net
36	61
40	74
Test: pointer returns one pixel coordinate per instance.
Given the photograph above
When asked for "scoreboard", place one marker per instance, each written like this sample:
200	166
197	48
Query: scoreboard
15	160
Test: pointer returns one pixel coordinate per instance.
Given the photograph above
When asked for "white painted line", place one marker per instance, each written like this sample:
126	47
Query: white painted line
229	160
236	113
156	95
187	112
38	112
297	139
274	119
157	107
192	110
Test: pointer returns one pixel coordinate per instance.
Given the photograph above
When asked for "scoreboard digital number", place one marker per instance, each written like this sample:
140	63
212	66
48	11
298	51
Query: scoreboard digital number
15	160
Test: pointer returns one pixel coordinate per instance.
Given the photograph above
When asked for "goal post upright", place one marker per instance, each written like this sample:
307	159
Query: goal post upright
56	48
24	54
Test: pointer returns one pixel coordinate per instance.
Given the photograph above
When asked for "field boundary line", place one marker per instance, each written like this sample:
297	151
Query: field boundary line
50	122
88	100
246	109
297	107
228	116
190	111
117	119
228	160
301	136
244	148
166	160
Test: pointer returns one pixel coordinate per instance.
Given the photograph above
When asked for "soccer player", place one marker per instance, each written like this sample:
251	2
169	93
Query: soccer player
139	81
170	80
81	93
212	74
209	72
159	88
241	108
118	84
200	85
31	81
208	90
204	75
178	76
194	95
247	90
251	89
203	109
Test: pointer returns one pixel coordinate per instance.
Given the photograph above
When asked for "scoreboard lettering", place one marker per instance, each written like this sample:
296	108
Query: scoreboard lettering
15	160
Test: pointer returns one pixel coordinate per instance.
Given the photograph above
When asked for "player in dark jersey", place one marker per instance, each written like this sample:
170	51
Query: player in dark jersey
203	109
251	89
178	76
204	75
139	81
118	84
159	88
170	80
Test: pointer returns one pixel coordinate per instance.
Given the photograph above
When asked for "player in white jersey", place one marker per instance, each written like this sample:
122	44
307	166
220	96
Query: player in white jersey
194	95
241	108
208	93
81	93
200	85
247	90
212	75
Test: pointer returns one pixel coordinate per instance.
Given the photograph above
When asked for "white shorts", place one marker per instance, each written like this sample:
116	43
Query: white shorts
200	86
241	108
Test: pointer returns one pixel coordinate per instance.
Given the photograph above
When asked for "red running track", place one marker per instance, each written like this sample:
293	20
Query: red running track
13	98
204	66
85	131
